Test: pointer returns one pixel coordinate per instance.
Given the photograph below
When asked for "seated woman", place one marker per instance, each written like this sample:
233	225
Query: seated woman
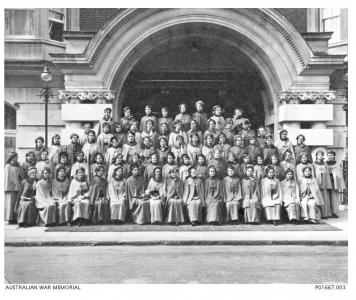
150	168
63	162
219	164
80	163
147	150
104	138
214	198
119	133
43	163
60	188
78	197
151	133
222	145
184	168
45	204
290	193
233	198
288	161
156	193
25	206
311	199
117	196
179	149
303	163
139	205
174	188
259	168
271	196
100	206
91	148
194	197
251	197
239	148
194	130
208	148
163	150
278	170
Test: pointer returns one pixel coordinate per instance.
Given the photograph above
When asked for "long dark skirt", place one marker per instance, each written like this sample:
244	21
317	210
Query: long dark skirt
195	210
215	212
175	211
101	212
27	213
48	214
10	201
64	213
141	212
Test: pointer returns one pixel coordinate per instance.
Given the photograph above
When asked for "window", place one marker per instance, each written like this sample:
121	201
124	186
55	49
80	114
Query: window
331	21
19	22
10	129
56	24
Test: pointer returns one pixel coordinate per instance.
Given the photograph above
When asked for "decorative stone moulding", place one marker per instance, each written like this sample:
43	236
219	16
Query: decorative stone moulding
77	97
297	97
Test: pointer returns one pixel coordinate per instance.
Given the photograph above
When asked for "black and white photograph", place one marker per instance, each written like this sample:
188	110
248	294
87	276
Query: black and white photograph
183	146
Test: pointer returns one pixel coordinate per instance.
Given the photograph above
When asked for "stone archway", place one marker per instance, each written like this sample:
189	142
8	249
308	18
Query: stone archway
285	62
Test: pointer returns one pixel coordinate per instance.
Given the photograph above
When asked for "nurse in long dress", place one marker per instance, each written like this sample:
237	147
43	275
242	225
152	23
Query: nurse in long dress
25	207
60	188
100	206
78	197
290	193
194	197
311	197
139	203
251	197
271	196
13	176
174	188
45	204
117	196
214	198
156	193
233	198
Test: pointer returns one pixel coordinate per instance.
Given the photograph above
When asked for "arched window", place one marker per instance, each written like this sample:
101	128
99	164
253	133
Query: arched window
10	128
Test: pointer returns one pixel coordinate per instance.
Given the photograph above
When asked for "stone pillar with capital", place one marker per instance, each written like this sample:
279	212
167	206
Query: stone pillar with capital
307	112
81	106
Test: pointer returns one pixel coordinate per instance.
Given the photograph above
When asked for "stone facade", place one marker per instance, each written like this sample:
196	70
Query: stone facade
90	68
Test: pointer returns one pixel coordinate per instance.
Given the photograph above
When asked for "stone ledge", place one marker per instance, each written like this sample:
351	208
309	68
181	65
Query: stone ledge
83	112
314	137
305	112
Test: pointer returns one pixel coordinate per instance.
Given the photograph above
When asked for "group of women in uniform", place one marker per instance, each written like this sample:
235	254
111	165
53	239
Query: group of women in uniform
161	170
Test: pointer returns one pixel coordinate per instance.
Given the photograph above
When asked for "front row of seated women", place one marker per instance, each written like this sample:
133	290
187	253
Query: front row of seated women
167	200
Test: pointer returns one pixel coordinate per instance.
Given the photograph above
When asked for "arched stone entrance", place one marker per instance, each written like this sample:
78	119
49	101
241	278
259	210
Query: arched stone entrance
286	65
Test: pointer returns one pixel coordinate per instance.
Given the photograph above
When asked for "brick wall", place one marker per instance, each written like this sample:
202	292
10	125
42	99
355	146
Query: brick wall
92	19
296	16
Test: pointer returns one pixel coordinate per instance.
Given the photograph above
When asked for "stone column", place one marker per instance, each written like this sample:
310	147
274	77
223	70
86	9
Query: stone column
81	106
311	107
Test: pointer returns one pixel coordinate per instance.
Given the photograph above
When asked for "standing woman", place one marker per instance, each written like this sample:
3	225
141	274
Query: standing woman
130	147
194	148
251	197
239	148
45	204
208	147
113	150
214	193
60	188
78	197
90	148
284	144
301	148
156	193
63	162
30	161
25	206
233	194
269	149
337	181
117	196
80	163
99	203
303	163
259	168
311	199
194	129
98	162
174	188
222	145
139	205
55	149
117	161
179	149
104	138
218	118
171	164
151	133
290	193
271	196
13	176
201	167
147	150
278	170
40	147
183	116
119	133
43	163
194	197
150	168
288	161
163	150
322	177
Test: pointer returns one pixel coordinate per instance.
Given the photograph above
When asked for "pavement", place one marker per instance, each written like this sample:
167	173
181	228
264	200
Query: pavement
37	236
